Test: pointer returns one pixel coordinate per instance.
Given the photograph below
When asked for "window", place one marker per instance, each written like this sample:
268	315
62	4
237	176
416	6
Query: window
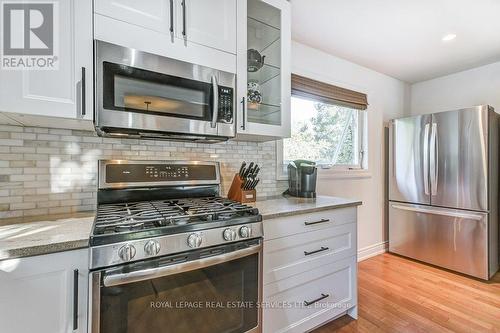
327	131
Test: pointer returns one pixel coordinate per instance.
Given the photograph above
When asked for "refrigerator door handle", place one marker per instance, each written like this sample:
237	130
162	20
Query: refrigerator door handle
433	159
426	159
437	211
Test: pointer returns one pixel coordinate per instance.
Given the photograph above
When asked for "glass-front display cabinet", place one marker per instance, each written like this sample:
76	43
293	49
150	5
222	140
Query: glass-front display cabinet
264	47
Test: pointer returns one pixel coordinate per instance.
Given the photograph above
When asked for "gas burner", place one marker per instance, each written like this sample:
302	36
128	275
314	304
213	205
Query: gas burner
226	216
129	227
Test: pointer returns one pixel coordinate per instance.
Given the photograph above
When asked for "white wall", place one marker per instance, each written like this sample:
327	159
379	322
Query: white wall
388	98
476	86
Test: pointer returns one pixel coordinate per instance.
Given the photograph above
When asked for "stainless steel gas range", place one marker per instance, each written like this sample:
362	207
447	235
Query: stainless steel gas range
167	251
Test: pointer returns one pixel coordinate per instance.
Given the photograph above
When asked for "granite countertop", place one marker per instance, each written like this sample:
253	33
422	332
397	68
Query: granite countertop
47	235
280	206
43	235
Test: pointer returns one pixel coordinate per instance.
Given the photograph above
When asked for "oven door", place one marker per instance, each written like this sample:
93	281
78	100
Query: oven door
212	290
142	92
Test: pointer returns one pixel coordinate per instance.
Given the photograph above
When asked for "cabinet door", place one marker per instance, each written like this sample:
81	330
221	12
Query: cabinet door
264	45
210	23
310	298
57	92
409	159
459	159
151	14
37	293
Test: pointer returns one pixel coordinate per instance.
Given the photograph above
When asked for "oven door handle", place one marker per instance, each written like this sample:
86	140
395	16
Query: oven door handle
153	273
215	107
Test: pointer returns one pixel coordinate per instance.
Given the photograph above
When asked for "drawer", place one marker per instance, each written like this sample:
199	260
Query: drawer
287	256
290	225
333	286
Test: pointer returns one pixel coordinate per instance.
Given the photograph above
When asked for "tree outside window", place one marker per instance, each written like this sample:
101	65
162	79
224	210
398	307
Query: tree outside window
328	134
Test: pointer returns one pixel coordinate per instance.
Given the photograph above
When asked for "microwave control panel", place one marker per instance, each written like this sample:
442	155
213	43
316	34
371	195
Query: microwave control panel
226	102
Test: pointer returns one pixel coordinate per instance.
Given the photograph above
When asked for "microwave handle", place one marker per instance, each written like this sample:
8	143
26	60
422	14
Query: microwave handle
215	106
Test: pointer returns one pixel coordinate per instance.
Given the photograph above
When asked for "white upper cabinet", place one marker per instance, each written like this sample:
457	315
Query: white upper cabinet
46	294
150	14
211	23
263	61
63	91
197	31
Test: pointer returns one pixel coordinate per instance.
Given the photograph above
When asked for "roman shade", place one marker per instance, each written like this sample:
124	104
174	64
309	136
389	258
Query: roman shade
327	93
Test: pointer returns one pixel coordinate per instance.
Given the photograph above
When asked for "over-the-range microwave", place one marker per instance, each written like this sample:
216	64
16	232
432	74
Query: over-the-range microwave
143	95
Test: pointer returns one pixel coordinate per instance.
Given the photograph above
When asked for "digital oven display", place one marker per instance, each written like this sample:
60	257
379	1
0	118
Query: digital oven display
137	173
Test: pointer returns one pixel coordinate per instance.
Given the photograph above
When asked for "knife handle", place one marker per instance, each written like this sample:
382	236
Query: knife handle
256	171
250	168
242	168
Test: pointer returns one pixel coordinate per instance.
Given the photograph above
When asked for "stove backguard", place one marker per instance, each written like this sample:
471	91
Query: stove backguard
129	181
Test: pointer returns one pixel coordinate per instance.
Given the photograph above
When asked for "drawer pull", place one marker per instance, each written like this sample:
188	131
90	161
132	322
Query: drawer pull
316	222
316	251
323	296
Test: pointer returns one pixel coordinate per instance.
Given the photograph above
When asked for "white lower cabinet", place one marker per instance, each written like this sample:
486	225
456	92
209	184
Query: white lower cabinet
38	294
309	270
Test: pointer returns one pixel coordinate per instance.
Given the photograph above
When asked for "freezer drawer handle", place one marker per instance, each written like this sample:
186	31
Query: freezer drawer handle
323	248
439	212
316	222
323	296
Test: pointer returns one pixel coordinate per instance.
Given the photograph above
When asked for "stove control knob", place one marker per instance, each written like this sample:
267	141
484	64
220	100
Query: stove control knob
245	232
194	240
229	234
127	252
151	248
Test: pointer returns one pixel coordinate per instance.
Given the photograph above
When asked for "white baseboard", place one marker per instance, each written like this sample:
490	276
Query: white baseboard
372	250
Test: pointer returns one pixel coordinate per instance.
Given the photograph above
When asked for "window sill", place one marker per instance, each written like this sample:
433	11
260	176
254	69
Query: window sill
336	174
343	174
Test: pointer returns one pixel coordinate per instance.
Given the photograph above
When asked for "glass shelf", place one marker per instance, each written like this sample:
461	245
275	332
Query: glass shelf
264	113
261	35
265	74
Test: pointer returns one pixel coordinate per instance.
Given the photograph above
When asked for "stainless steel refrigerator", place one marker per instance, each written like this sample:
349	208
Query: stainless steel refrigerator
443	189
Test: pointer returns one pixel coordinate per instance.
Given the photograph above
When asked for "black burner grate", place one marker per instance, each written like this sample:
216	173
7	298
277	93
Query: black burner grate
147	215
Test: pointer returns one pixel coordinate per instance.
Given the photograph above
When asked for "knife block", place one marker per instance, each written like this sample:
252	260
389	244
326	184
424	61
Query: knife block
238	194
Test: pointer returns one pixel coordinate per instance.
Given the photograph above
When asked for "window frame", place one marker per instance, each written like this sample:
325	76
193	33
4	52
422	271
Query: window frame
359	170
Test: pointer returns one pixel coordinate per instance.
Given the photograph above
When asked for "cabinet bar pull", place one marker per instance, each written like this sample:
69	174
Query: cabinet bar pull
184	33
171	16
316	222
75	299
84	105
244	111
316	251
323	296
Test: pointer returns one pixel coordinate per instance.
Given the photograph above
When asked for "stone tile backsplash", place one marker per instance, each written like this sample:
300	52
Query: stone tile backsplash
54	171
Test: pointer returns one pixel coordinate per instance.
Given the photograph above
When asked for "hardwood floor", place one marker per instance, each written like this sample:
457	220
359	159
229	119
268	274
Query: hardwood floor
401	295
